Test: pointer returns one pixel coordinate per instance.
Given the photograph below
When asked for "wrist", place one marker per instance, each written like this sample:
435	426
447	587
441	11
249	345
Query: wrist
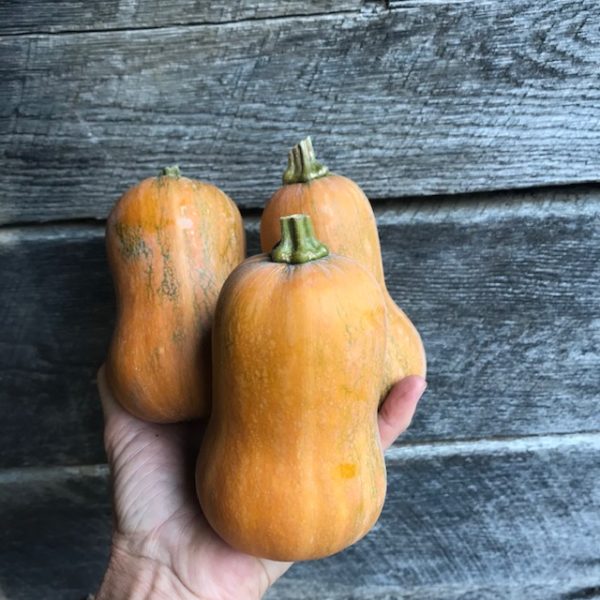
131	577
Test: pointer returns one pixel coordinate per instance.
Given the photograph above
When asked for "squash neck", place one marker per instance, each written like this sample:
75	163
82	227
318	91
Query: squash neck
303	165
298	243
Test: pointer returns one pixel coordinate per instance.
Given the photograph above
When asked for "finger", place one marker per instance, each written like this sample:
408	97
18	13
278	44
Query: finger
399	407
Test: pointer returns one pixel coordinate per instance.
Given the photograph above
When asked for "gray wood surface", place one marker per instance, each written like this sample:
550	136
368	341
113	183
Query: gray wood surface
505	291
425	99
27	16
55	533
57	319
473	520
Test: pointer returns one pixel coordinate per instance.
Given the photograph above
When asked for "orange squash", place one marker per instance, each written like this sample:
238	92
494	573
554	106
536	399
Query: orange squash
171	243
344	220
291	466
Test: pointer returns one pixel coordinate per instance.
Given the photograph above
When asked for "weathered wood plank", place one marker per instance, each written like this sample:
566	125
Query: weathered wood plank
55	533
505	292
56	318
507	299
446	98
508	519
27	16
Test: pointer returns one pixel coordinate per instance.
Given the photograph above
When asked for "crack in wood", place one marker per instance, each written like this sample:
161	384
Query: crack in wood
186	24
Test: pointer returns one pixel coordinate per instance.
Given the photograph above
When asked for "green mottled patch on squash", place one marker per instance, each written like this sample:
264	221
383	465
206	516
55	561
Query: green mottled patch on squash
168	285
131	241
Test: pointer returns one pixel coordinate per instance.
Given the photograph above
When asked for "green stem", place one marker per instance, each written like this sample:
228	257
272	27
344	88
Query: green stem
170	172
303	165
298	243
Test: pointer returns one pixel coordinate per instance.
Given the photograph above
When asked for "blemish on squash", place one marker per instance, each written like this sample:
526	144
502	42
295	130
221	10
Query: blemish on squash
168	285
149	274
132	243
347	470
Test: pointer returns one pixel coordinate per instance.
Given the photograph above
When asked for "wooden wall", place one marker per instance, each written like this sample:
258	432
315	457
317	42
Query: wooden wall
474	127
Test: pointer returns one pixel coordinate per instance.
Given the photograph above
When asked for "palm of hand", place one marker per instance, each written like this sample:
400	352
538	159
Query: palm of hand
157	515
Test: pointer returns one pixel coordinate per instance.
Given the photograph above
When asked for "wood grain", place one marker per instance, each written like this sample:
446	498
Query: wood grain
505	291
426	99
55	533
30	16
476	520
506	294
57	319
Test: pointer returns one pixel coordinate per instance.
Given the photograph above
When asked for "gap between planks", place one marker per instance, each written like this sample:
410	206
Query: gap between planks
539	202
395	455
504	445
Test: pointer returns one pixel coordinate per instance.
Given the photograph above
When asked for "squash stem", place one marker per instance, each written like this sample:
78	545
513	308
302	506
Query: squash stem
170	172
298	243
303	165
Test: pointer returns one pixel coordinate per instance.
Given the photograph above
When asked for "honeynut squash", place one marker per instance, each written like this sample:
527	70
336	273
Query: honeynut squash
171	243
343	219
291	466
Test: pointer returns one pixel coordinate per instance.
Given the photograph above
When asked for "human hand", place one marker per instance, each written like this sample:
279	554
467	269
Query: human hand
162	546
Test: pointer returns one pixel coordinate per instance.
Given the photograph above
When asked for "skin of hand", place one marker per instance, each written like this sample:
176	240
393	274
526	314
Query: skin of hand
162	545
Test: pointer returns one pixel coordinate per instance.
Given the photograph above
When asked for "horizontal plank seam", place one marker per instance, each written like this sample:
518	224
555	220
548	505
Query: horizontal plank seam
41	474
395	5
395	455
88	222
504	445
384	207
93	222
178	25
494	210
579	587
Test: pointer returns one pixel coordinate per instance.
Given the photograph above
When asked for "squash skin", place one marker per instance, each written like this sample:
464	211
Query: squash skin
171	243
343	219
291	466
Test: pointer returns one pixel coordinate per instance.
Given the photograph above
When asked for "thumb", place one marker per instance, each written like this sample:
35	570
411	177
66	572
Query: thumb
399	407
